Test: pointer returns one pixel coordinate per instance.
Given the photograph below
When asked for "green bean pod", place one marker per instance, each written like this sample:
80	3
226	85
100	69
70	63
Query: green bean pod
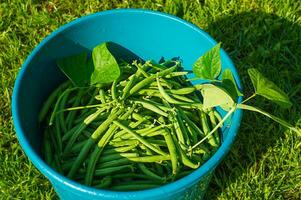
82	126
50	100
150	79
206	129
172	151
120	149
137	186
112	170
104	183
140	139
149	173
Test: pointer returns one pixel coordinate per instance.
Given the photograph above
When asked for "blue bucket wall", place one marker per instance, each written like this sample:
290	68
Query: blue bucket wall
147	35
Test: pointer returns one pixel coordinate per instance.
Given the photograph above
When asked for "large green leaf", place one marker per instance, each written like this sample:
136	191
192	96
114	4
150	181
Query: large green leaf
208	66
268	89
77	68
216	96
106	68
228	82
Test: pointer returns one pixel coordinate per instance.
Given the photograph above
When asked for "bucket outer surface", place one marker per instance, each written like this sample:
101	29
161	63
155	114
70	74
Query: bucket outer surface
138	34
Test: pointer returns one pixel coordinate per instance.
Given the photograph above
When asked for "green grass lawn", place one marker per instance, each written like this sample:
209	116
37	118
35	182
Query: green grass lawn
265	161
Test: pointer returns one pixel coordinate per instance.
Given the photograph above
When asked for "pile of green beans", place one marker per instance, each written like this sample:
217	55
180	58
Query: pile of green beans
132	134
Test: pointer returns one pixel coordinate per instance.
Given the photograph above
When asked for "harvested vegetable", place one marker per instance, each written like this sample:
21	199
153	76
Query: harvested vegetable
133	126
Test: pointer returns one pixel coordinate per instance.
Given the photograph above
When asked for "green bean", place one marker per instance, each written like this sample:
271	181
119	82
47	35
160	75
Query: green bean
113	90
183	129
67	166
151	107
137	116
159	105
71	115
149	173
120	149
201	150
178	130
157	142
141	70
146	159
103	127
102	96
159	169
91	141
137	186
217	116
146	151
184	173
150	79
193	135
77	147
191	124
52	137
100	146
124	143
141	84
214	123
80	158
104	183
145	131
113	163
165	95
90	102
128	86
206	129
197	158
47	147
111	170
185	160
148	92
172	151
163	83
58	136
83	115
175	83
131	125
152	134
67	135
131	175
58	164
46	106
82	126
182	91
115	156
157	66
56	106
60	116
182	98
174	74
143	141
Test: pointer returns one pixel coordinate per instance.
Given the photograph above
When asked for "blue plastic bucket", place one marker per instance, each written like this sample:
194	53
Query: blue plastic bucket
148	35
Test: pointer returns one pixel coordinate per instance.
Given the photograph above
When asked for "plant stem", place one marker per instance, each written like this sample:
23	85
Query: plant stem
250	97
215	128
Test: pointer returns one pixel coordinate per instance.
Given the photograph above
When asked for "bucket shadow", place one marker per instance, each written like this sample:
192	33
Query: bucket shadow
270	44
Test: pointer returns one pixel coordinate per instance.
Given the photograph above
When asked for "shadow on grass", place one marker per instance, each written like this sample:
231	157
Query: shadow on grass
269	43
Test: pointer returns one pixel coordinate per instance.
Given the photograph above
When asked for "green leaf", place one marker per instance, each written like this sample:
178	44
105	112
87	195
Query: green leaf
268	89
77	68
208	66
106	68
228	82
216	96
